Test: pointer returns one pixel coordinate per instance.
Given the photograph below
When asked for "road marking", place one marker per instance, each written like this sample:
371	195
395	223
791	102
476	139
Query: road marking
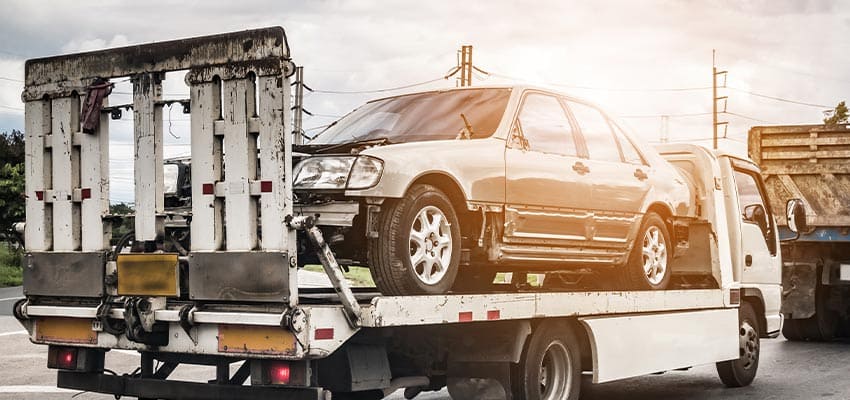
11	298
14	333
33	389
128	352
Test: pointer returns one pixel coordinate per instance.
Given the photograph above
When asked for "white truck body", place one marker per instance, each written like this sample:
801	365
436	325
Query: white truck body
235	296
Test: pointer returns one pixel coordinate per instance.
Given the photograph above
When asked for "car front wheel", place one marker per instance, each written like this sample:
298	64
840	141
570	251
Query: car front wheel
418	251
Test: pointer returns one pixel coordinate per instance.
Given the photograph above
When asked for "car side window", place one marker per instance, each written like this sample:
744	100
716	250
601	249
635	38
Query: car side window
753	208
545	125
597	132
630	153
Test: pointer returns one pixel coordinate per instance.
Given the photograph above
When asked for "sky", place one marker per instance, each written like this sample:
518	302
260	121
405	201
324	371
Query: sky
640	60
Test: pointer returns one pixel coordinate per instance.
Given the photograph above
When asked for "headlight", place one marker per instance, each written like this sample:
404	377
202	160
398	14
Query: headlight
344	172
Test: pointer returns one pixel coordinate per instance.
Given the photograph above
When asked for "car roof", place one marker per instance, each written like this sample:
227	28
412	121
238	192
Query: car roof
515	86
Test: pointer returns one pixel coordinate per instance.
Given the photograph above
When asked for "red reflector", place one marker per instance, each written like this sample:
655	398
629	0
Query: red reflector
62	358
39	195
278	373
85	193
265	186
324	333
208	188
494	314
465	316
734	296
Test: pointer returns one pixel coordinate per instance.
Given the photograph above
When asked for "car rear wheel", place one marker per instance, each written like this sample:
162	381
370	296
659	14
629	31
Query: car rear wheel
648	267
419	249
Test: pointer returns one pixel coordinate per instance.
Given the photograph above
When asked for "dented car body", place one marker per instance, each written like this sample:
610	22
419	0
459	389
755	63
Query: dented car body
538	180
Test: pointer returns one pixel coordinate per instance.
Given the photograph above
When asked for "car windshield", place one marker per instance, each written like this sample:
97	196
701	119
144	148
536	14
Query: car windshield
421	117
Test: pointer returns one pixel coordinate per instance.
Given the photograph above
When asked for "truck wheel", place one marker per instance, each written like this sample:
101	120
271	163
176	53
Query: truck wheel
648	267
741	372
419	248
550	368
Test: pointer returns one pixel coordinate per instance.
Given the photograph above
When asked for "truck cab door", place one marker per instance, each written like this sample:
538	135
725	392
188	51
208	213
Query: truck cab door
762	265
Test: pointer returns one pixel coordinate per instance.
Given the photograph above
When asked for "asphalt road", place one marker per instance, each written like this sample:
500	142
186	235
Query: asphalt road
788	370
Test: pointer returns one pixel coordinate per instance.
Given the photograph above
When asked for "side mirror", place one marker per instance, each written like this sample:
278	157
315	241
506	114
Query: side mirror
755	213
795	214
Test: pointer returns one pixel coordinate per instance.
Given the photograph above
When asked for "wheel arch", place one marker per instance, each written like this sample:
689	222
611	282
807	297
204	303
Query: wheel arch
754	297
666	214
469	220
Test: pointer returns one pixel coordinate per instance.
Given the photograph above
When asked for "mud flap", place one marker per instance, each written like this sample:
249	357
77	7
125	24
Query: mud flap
799	282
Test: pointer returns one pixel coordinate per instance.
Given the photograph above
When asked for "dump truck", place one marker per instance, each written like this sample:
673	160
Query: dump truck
811	163
232	298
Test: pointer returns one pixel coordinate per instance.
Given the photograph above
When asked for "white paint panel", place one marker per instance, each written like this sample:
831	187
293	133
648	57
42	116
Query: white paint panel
148	174
39	227
66	217
240	160
94	175
629	346
275	162
207	234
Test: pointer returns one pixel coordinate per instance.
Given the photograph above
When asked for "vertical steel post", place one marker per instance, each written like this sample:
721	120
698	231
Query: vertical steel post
298	106
148	148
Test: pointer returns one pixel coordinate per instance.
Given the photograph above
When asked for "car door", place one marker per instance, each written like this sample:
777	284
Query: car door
620	184
548	194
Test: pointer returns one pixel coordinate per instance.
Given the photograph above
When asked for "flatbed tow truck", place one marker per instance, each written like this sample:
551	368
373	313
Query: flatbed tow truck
233	299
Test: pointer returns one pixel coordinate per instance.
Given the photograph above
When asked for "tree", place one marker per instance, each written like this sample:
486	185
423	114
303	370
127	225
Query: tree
840	115
12	201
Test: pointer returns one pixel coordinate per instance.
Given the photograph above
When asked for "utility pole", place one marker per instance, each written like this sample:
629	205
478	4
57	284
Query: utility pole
465	66
298	107
714	99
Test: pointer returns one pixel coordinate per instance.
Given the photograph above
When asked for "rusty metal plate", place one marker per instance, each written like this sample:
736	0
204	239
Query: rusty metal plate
239	276
64	274
148	275
255	340
65	330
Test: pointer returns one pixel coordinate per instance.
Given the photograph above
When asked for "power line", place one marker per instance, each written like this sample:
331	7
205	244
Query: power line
746	117
379	90
802	103
666	115
610	89
3	78
11	108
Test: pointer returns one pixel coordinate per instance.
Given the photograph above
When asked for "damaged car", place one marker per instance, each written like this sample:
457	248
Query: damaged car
441	190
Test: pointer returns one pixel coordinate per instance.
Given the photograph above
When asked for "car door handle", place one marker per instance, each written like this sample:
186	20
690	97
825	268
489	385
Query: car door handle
641	175
748	260
580	168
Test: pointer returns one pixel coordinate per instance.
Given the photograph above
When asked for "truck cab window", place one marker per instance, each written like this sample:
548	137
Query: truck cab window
545	125
753	206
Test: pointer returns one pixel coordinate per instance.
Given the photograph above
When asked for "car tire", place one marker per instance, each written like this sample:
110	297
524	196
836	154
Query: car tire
418	251
648	266
741	371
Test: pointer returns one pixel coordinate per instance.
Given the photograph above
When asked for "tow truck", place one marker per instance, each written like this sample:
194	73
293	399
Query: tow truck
232	299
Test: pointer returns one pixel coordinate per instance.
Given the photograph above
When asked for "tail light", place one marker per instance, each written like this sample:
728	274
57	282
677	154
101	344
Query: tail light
62	358
75	358
276	372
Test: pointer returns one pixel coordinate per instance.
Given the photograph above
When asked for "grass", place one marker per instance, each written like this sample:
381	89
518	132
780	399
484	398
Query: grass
357	276
11	273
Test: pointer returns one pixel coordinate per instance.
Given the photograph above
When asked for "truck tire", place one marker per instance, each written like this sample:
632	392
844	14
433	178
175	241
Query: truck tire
550	368
418	251
741	372
648	266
